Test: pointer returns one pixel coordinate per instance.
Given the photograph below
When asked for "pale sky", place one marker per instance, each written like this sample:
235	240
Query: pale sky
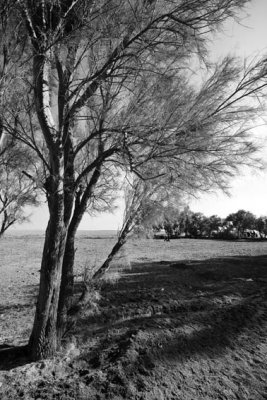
249	191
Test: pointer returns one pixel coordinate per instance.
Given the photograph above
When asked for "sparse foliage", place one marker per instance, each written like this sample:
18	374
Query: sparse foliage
112	94
17	190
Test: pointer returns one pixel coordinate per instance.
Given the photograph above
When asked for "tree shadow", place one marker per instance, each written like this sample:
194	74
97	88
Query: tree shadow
205	303
212	293
28	294
13	356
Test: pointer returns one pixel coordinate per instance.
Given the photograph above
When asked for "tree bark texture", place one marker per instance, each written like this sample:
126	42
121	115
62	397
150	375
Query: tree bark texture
67	281
126	229
106	265
43	341
66	286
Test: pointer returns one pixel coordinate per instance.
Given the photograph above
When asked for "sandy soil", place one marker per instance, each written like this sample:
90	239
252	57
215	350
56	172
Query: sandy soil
186	321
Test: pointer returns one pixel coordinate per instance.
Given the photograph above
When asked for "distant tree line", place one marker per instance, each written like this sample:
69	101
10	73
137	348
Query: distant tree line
187	223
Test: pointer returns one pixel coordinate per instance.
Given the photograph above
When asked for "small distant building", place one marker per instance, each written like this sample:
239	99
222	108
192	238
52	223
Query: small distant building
161	234
182	235
251	234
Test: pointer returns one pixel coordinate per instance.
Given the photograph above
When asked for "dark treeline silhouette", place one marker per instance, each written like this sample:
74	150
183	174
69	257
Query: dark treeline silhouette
186	223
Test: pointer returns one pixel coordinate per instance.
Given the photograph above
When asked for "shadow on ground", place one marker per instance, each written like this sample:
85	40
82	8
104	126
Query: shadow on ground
13	356
180	309
26	299
174	310
16	316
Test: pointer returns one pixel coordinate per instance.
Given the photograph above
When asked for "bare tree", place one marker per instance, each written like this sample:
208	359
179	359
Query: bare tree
12	42
111	92
135	194
17	190
145	202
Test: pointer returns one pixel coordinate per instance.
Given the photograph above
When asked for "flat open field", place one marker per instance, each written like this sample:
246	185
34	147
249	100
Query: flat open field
186	320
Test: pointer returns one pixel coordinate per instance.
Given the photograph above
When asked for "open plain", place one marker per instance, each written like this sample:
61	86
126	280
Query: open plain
184	319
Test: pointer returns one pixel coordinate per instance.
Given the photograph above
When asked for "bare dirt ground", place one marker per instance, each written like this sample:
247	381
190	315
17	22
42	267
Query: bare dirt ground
187	320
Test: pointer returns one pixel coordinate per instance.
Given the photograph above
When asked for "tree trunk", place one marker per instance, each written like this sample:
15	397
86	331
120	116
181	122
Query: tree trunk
67	285
67	282
67	279
106	265
126	229
43	340
4	223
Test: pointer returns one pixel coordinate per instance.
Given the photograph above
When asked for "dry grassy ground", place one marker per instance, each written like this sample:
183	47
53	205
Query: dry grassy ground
186	320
